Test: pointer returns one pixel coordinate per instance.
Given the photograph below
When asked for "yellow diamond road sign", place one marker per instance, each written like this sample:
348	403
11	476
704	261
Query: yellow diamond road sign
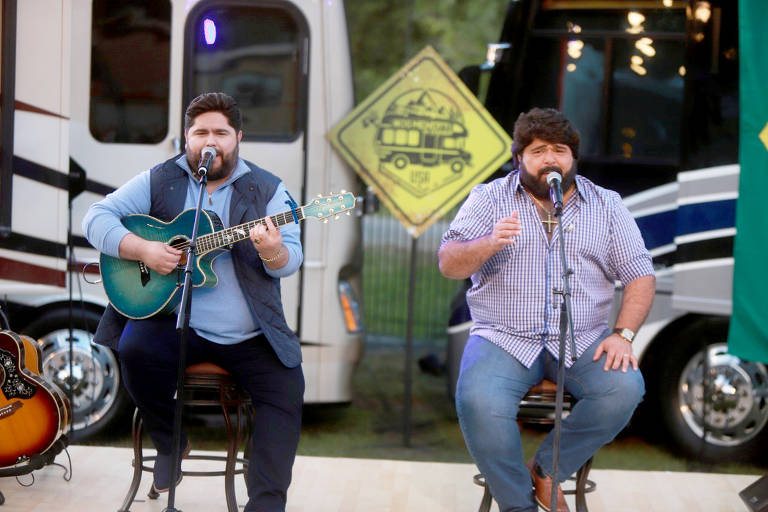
422	140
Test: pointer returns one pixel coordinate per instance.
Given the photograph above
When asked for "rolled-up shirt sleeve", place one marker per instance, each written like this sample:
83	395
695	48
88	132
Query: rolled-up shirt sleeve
291	233
628	257
102	223
473	219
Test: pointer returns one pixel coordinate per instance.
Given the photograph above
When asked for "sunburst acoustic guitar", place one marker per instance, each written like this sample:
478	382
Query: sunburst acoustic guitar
136	291
34	413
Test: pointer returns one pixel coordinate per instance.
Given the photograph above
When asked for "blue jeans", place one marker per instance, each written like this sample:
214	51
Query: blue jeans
491	385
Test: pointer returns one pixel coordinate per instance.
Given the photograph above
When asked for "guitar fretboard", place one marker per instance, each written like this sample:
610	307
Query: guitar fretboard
229	236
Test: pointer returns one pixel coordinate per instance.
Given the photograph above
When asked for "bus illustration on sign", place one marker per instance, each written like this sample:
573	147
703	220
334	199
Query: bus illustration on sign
424	131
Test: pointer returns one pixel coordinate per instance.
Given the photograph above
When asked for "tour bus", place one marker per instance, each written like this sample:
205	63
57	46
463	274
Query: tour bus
94	91
653	87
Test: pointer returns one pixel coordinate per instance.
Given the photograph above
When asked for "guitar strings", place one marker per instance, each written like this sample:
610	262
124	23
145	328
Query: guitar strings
278	219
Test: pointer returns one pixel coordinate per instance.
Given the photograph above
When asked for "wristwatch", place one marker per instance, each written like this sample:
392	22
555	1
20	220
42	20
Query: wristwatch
627	334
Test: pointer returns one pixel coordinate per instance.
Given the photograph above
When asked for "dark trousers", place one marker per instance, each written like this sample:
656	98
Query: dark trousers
149	357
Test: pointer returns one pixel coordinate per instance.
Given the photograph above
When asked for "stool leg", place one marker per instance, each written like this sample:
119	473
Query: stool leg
229	472
581	483
485	503
138	462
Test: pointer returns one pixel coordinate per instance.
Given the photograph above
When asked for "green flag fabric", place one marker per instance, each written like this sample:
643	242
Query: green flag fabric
748	337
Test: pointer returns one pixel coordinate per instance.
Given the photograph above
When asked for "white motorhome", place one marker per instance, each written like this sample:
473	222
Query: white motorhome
93	92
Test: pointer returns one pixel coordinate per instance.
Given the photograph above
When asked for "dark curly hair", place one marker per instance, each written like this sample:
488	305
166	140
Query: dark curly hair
546	124
214	102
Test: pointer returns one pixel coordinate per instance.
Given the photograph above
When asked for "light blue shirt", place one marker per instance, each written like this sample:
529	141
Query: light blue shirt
220	314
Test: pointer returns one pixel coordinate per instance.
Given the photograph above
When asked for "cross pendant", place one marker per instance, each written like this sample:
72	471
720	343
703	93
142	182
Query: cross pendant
549	222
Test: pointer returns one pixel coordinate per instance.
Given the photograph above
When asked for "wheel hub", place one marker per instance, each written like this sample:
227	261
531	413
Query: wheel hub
734	403
94	376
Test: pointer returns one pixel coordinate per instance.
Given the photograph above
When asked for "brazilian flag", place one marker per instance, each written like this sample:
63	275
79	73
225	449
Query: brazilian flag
748	337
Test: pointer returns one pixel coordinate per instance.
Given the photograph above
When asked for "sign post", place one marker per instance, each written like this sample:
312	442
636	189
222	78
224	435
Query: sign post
421	140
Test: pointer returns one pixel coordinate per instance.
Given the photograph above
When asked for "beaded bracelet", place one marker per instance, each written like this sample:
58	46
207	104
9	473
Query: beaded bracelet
273	258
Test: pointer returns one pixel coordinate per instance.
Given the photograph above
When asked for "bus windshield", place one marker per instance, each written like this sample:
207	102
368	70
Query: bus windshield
647	86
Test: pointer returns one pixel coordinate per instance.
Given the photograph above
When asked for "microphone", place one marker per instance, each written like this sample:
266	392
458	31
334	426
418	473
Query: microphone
206	157
554	180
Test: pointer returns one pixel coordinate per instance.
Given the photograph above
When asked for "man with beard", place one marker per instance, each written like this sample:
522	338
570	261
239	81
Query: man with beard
238	324
503	238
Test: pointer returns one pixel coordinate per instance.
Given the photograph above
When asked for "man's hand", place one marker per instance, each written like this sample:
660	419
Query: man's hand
618	353
504	230
267	239
459	260
160	257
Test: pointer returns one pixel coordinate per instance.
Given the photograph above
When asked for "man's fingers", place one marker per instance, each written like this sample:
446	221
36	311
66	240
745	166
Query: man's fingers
617	359
598	352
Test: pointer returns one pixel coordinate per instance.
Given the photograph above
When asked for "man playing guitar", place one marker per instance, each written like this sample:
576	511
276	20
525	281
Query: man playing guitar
239	324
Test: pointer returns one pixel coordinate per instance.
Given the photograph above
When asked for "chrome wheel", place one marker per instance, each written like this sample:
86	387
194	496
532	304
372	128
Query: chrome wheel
737	397
94	377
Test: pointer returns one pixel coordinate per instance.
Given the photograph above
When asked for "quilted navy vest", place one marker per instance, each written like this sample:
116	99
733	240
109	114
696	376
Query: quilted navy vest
250	195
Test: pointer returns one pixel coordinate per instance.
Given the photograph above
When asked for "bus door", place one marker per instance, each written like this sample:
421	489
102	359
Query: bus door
430	154
258	54
122	100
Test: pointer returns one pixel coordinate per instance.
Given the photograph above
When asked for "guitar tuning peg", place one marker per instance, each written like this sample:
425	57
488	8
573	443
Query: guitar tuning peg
343	191
319	195
325	221
336	217
349	212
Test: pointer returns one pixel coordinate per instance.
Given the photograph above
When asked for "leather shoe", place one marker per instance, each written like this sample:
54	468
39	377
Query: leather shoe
162	471
543	489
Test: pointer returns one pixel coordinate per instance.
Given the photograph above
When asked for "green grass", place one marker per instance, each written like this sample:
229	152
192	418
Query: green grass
386	277
371	426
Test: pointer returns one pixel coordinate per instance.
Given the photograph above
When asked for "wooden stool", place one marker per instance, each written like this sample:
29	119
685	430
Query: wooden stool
215	386
538	406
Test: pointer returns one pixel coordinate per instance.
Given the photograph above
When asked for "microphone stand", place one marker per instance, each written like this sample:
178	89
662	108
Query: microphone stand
182	326
566	326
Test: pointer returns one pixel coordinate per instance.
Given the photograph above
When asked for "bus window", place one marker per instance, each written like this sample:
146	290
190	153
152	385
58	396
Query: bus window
254	54
711	134
130	70
582	90
646	99
618	74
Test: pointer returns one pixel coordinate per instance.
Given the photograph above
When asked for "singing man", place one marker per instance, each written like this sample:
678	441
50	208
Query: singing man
505	237
238	324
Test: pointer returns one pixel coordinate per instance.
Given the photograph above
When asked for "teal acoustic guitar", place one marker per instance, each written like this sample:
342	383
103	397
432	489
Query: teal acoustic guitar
138	292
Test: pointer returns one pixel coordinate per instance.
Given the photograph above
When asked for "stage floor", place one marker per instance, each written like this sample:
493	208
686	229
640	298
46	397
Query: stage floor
100	478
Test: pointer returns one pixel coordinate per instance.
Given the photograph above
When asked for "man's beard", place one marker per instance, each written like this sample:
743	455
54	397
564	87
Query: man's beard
228	164
541	189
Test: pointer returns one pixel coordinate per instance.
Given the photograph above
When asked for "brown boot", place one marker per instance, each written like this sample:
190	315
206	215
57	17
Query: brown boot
543	489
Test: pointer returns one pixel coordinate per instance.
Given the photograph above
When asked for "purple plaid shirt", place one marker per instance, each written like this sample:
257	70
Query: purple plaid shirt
512	297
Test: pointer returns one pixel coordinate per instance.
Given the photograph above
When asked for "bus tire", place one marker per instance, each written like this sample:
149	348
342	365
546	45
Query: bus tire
99	399
738	407
457	165
400	161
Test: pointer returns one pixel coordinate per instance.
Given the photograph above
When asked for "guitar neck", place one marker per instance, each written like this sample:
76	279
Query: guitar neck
229	236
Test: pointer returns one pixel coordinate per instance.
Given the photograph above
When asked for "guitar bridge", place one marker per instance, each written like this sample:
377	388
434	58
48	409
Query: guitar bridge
144	273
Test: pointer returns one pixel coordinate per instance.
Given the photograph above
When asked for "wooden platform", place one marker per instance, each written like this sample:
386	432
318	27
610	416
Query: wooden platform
101	477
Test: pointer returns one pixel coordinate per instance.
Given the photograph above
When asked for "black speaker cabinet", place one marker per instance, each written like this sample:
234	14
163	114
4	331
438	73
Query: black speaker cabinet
755	496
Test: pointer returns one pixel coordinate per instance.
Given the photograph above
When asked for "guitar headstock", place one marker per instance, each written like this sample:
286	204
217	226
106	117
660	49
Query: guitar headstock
331	205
